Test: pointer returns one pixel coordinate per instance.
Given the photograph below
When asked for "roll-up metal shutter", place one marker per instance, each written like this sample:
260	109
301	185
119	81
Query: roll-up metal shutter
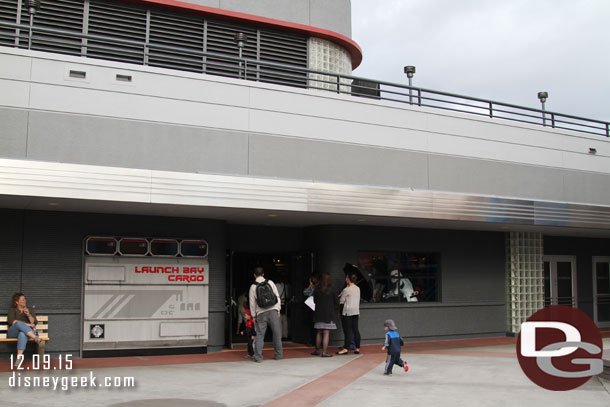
61	15
118	21
176	30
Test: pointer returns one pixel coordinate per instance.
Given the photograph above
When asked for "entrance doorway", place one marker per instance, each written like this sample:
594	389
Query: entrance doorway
290	272
601	290
560	281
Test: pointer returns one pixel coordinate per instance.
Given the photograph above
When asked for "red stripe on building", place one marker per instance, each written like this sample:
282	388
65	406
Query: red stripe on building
342	40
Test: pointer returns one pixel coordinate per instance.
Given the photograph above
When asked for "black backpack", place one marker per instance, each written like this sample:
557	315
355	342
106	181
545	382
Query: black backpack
265	297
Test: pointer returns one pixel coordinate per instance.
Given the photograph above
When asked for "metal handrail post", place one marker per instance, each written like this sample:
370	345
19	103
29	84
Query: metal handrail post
30	31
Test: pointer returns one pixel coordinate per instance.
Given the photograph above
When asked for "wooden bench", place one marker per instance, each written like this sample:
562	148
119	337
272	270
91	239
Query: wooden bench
42	327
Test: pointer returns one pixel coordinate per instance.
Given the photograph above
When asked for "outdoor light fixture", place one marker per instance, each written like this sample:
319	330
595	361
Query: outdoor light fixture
410	71
33	6
543	96
241	39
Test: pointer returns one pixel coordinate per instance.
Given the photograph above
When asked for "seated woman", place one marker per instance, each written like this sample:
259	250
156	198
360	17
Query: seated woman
22	323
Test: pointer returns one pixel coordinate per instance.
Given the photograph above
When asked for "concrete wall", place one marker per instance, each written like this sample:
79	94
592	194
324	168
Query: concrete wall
184	122
333	15
42	254
472	293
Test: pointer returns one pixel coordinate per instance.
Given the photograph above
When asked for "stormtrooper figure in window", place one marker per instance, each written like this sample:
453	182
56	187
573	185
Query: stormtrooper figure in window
401	287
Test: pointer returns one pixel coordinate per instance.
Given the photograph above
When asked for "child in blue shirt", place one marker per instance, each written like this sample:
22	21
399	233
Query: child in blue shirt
392	343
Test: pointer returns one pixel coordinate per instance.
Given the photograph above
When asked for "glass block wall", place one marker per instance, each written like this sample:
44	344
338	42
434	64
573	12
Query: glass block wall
330	57
524	277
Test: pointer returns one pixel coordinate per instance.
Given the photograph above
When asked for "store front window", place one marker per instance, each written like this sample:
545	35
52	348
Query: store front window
402	276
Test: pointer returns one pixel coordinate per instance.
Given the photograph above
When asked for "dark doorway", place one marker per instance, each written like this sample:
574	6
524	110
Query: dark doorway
290	272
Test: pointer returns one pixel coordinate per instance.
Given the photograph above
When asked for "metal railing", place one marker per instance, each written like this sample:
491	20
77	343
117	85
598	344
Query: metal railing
105	47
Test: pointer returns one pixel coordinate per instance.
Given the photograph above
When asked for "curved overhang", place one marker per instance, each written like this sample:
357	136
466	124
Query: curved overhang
352	47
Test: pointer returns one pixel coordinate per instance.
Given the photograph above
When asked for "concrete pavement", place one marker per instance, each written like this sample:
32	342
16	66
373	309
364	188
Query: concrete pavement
447	373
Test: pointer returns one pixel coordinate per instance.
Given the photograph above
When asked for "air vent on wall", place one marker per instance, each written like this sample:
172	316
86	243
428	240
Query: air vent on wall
122	23
8	13
174	30
64	15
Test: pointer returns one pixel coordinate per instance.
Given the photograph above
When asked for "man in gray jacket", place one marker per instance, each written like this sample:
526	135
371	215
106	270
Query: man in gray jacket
265	317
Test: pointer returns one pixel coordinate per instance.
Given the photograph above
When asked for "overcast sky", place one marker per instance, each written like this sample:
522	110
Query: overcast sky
503	50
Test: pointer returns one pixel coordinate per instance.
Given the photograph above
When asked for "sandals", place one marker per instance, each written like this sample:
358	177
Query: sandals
342	352
326	355
315	353
357	352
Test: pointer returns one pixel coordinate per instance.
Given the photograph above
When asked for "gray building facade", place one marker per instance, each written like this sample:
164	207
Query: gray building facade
488	220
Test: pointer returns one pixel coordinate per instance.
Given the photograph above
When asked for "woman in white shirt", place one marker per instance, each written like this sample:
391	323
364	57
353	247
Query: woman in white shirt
350	298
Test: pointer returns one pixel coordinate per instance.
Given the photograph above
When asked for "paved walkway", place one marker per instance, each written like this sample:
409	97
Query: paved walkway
477	372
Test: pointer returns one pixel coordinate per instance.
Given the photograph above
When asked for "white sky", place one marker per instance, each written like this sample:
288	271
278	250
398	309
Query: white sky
503	50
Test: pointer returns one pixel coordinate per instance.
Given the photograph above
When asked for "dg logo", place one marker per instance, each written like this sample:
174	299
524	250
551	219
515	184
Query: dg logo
560	348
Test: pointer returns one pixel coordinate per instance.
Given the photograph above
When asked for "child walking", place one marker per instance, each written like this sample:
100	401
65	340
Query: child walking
392	343
247	328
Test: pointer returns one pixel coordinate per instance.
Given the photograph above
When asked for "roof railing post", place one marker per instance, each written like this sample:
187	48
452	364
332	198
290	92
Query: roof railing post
410	71
543	96
419	97
338	84
240	39
607	129
553	120
491	109
33	7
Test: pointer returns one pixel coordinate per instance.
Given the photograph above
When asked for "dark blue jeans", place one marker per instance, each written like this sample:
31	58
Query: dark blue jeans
350	325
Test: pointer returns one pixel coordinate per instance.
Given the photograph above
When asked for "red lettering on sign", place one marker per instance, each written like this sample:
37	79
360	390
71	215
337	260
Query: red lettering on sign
193	270
186	279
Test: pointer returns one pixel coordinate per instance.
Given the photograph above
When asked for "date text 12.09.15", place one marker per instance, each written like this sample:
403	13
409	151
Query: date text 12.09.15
62	362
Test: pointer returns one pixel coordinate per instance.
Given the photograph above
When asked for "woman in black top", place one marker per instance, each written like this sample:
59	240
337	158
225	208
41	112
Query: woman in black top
325	315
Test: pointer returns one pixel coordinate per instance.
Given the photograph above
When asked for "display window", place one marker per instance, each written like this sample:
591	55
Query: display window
101	246
164	247
398	276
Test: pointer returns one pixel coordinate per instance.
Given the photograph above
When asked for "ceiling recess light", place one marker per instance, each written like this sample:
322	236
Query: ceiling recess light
272	215
53	204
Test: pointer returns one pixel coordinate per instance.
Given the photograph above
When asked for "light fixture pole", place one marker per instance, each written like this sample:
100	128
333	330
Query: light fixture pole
543	96
33	7
410	71
240	39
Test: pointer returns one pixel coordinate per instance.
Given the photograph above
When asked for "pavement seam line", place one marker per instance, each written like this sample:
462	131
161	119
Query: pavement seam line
320	399
312	380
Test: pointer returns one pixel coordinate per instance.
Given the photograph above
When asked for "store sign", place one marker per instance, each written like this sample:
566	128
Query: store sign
184	274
